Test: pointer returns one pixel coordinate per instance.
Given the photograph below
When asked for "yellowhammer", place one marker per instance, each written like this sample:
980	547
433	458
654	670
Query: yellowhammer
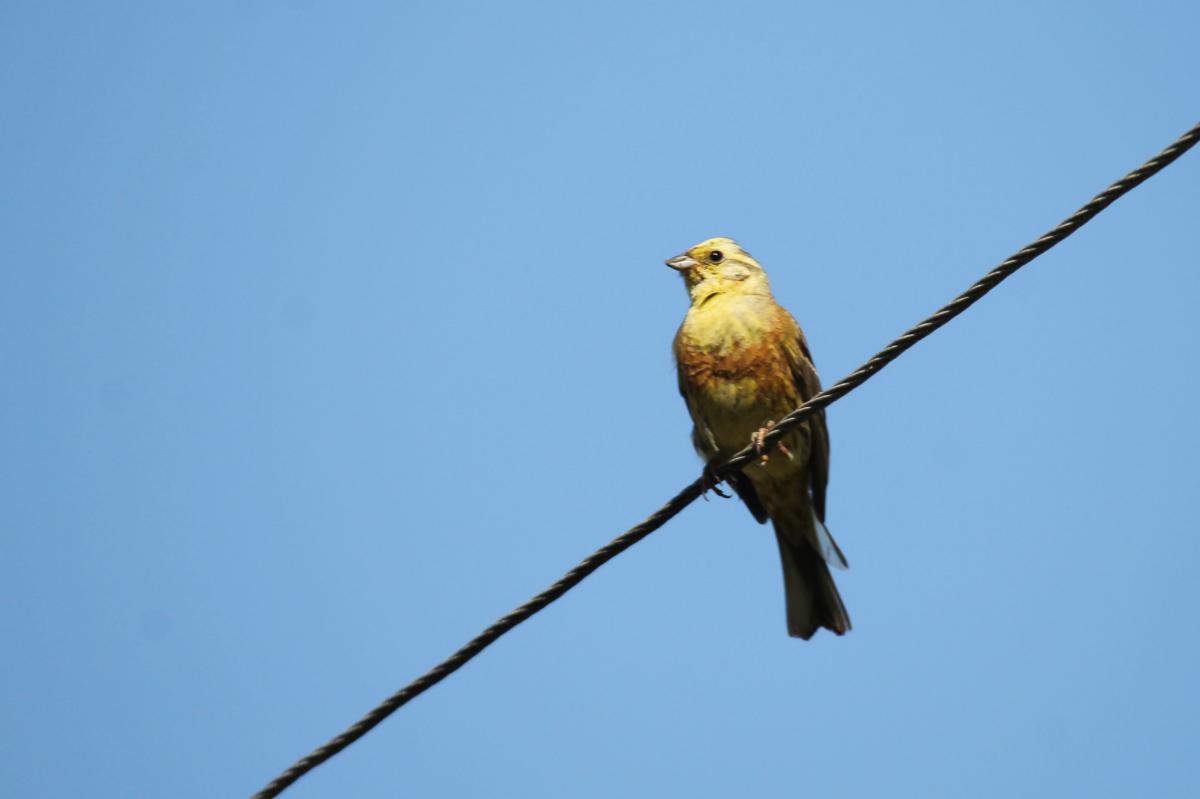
743	362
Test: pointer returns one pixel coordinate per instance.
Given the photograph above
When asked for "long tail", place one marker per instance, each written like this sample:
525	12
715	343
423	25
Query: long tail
812	598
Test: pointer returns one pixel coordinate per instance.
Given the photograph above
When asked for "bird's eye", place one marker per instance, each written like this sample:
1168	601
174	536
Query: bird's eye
716	256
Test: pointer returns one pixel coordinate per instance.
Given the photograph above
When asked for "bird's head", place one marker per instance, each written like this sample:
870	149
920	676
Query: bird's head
719	266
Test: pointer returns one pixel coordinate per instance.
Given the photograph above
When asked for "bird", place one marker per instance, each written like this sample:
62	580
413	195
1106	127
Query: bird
743	362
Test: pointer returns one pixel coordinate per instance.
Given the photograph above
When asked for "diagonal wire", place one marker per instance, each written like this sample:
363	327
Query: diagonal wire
689	494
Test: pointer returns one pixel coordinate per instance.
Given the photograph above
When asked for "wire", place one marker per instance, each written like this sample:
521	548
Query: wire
692	491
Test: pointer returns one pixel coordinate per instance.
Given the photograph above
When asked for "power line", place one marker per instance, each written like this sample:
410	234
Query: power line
689	494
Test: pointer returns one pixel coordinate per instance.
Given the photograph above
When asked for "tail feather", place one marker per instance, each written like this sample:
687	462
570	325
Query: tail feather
813	600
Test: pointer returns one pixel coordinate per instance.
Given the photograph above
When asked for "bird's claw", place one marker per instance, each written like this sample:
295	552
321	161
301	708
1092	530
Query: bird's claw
758	439
711	482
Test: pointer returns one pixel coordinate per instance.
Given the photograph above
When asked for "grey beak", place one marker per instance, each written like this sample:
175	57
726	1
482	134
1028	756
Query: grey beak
681	262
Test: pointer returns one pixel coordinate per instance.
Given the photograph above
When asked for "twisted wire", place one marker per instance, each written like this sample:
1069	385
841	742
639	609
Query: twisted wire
742	458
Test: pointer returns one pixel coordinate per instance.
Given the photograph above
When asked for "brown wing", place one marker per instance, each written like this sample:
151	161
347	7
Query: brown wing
808	384
745	491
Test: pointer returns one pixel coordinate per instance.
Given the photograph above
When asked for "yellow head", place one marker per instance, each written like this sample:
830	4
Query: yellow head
719	266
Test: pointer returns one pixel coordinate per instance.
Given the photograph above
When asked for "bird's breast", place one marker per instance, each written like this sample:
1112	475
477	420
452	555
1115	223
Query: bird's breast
731	358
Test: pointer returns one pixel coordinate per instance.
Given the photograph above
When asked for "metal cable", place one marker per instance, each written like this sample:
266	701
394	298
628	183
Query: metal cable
689	494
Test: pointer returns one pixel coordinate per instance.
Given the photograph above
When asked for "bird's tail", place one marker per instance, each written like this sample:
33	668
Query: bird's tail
813	601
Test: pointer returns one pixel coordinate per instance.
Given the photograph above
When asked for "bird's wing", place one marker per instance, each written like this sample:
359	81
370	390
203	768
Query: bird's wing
745	491
808	385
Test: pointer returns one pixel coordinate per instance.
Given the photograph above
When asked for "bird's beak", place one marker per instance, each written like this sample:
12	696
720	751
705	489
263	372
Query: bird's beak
681	262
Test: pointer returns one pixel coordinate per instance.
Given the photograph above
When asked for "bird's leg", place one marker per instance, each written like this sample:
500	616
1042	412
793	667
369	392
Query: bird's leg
757	439
710	482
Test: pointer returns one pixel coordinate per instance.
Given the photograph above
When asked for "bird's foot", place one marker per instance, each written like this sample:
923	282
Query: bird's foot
758	437
711	482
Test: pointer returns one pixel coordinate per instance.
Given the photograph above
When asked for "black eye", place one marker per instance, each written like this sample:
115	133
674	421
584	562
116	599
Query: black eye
716	256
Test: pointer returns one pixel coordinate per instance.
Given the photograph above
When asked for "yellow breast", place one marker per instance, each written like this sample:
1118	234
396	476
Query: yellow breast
733	366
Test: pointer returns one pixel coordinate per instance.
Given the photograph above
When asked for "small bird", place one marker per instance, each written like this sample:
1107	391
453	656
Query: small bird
743	362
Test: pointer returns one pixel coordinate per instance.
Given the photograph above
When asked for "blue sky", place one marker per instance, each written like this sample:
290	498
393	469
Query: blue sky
330	333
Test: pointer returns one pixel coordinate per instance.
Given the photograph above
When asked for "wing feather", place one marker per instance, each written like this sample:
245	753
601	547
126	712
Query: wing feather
808	385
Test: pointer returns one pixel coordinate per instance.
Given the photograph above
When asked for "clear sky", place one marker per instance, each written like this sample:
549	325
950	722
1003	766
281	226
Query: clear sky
331	332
